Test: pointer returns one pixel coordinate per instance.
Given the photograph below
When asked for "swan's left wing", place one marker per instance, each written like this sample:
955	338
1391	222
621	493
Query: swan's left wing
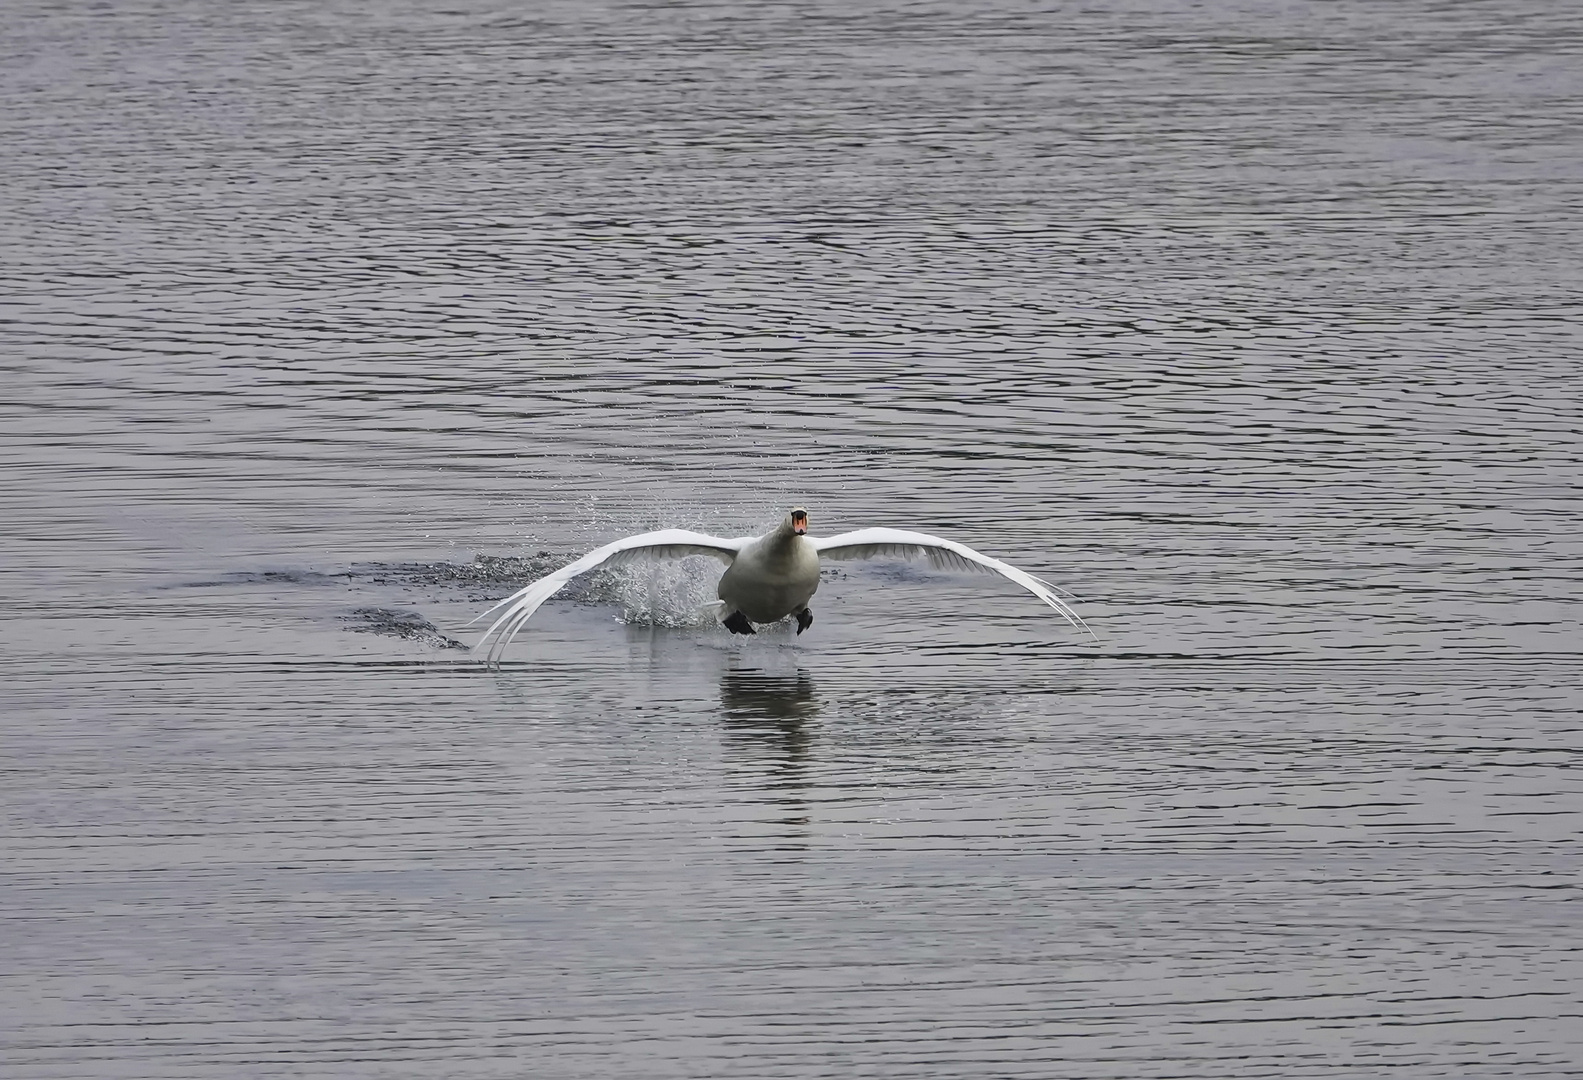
944	554
665	544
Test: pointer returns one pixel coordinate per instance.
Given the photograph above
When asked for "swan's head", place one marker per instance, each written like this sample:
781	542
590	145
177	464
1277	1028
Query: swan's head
797	520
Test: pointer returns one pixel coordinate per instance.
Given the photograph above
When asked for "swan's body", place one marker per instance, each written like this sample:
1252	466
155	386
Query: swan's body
767	577
772	577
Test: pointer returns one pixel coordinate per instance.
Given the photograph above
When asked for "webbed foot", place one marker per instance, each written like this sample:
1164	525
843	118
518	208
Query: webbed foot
804	620
738	623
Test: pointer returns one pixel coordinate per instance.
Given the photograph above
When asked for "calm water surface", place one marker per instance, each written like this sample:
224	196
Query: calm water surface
1256	325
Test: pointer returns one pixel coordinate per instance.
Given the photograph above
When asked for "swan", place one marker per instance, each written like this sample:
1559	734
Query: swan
767	577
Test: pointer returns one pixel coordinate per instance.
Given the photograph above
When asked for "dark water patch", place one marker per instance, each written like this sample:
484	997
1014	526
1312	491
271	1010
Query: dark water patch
486	577
300	577
407	625
499	574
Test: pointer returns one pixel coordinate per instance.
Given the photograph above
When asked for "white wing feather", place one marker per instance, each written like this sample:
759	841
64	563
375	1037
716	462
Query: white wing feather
665	544
943	554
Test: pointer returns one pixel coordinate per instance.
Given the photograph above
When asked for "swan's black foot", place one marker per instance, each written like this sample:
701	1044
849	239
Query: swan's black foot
804	620
738	623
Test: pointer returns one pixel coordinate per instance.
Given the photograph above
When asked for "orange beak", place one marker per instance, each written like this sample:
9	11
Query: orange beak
800	524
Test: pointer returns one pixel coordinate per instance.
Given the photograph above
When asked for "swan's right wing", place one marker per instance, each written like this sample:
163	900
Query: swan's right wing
665	544
941	553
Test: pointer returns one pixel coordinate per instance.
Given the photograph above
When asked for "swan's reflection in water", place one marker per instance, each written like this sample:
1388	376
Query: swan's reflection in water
759	695
769	710
767	720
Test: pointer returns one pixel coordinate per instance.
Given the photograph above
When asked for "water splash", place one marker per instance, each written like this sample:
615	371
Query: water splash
673	594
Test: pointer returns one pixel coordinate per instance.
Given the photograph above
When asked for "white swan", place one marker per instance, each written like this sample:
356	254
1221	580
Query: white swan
767	577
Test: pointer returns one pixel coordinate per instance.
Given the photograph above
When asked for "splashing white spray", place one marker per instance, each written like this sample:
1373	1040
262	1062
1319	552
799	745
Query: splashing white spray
662	593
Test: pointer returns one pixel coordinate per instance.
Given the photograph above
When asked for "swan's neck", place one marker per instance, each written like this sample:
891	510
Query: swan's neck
783	543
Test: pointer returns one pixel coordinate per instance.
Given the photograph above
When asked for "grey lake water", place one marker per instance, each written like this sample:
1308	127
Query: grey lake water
1255	325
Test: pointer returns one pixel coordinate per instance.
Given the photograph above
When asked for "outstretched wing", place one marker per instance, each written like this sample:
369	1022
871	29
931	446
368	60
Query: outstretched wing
665	544
944	554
